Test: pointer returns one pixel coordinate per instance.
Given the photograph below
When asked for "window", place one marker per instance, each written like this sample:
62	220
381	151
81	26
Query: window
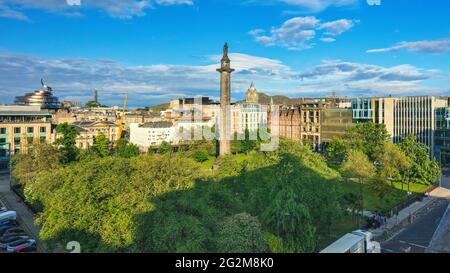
30	140
2	131
42	138
43	129
2	141
17	130
30	130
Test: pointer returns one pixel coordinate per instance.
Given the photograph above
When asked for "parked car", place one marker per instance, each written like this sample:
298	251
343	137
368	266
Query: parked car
3	209
12	236
11	239
7	215
6	226
12	231
9	222
23	245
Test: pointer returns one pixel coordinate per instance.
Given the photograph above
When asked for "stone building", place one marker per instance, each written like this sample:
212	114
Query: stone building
88	130
21	126
302	123
252	95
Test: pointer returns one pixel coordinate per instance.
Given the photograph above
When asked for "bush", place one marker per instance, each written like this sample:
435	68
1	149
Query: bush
200	156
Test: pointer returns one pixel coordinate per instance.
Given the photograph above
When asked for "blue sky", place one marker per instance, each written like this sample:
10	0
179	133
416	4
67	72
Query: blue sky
156	50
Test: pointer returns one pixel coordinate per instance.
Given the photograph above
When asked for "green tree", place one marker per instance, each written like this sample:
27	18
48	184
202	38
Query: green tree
101	146
358	166
165	147
200	156
247	144
67	142
393	162
127	150
336	150
41	157
367	137
423	168
241	233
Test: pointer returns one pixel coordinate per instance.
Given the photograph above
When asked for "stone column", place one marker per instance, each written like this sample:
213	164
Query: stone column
225	102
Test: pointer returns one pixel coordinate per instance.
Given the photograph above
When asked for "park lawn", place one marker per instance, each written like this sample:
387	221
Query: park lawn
414	187
371	201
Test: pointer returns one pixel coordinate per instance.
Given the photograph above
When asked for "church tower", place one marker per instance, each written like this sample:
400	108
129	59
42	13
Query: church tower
225	101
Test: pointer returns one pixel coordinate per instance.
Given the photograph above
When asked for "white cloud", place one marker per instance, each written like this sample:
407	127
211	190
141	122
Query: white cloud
319	5
124	9
295	33
436	46
75	78
328	40
336	28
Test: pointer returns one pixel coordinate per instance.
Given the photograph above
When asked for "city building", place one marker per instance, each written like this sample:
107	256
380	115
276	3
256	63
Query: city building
252	95
442	135
88	130
303	123
335	122
21	126
43	98
403	116
153	134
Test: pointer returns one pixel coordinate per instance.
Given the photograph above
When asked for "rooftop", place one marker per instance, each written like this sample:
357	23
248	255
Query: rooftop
157	124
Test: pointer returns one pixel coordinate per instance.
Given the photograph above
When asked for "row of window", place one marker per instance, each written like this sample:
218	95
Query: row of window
18	130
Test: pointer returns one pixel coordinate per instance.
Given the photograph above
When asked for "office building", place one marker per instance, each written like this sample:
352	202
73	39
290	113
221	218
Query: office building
21	126
403	116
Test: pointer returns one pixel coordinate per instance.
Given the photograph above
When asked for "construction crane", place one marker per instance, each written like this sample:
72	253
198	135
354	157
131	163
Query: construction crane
122	120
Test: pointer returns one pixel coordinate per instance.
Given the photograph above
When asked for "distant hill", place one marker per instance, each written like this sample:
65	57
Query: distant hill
278	100
158	108
265	99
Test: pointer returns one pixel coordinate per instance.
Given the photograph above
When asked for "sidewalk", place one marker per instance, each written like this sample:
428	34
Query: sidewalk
396	223
12	202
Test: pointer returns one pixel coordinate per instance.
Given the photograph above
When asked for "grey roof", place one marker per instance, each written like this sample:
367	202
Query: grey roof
24	113
93	123
157	124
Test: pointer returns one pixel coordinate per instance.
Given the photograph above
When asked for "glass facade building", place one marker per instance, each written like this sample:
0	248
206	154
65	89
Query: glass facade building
442	135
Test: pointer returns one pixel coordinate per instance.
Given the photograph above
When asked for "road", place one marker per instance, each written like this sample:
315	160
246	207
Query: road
416	237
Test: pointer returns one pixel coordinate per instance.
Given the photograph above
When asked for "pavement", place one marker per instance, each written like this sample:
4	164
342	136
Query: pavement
24	215
416	237
409	214
413	229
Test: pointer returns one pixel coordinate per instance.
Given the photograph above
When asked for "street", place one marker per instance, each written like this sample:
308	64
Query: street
416	237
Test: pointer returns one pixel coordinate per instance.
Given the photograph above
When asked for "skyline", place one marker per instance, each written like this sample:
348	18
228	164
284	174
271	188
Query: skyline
286	47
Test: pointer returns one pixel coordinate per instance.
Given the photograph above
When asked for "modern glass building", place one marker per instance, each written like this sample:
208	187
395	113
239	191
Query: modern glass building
442	135
403	116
